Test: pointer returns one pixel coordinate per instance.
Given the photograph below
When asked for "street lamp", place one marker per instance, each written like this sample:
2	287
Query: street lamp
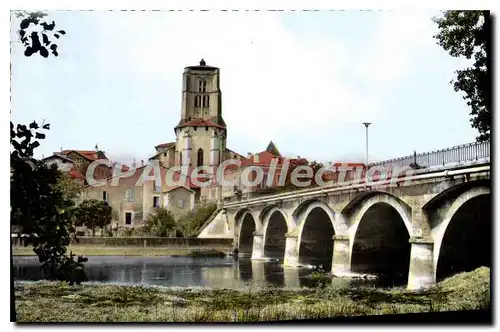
366	126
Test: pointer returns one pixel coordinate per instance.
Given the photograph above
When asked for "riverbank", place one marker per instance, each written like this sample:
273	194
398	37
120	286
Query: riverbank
56	302
88	250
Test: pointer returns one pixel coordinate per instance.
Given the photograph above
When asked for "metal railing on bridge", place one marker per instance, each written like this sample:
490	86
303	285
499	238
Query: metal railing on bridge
457	154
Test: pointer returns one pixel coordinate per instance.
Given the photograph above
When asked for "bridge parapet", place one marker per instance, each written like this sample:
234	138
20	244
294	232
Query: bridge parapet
476	151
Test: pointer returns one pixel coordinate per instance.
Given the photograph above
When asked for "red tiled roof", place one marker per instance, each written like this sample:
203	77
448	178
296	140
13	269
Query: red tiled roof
264	158
75	174
87	154
200	123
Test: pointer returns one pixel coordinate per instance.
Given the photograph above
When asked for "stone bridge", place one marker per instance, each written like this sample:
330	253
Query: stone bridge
419	229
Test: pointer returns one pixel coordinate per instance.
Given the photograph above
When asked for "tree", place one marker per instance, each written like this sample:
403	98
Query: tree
465	33
38	206
37	35
49	224
70	188
93	213
160	223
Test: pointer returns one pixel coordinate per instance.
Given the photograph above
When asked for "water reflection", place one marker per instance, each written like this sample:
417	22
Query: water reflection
179	271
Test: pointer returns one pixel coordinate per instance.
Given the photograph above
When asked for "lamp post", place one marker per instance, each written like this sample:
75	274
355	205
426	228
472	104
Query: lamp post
366	126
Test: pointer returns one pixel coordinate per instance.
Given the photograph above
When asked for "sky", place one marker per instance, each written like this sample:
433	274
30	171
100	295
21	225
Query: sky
305	80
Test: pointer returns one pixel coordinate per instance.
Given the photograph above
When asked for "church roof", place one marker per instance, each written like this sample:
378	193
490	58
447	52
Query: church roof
202	66
165	145
199	122
273	149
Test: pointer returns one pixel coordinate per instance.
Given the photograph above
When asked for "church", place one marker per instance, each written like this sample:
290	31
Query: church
201	133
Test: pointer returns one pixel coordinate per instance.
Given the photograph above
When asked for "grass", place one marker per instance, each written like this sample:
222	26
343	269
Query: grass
56	302
88	250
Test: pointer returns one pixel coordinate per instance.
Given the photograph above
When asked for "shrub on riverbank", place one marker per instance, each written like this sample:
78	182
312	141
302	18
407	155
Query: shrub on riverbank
52	302
207	253
193	221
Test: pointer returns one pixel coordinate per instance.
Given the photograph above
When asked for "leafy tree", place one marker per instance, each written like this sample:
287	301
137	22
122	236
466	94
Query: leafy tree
93	213
160	223
48	224
39	207
70	188
38	35
467	33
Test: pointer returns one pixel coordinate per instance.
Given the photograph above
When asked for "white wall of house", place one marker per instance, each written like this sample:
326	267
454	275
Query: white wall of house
62	165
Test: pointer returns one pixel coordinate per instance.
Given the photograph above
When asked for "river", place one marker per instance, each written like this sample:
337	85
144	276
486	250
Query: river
224	272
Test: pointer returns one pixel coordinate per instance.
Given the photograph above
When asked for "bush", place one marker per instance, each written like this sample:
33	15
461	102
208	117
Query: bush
193	221
207	253
160	223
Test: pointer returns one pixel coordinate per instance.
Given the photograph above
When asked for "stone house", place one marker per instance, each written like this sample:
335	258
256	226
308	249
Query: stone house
133	197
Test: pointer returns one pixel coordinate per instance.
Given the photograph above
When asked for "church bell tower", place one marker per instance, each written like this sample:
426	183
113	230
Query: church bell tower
201	131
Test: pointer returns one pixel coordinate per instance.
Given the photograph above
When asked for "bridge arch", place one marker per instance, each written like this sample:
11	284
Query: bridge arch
462	235
316	228
246	226
380	230
275	225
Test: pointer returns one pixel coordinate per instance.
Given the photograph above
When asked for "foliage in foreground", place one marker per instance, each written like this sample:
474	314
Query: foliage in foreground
467	33
39	206
38	35
42	302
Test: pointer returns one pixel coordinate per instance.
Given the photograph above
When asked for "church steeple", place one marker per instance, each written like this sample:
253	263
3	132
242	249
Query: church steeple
201	95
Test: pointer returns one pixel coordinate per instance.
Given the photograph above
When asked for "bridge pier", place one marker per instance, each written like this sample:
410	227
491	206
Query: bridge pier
340	260
421	272
291	251
258	246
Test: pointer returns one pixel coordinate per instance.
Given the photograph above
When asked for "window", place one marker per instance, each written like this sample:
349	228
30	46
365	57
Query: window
130	195
128	218
200	85
180	157
197	101
157	185
180	204
204	86
164	154
206	101
200	157
104	195
156	201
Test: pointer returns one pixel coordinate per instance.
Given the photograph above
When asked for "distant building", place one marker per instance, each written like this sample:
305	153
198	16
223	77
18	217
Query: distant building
75	163
63	163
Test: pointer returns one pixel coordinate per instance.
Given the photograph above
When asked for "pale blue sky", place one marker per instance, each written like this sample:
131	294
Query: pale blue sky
304	80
